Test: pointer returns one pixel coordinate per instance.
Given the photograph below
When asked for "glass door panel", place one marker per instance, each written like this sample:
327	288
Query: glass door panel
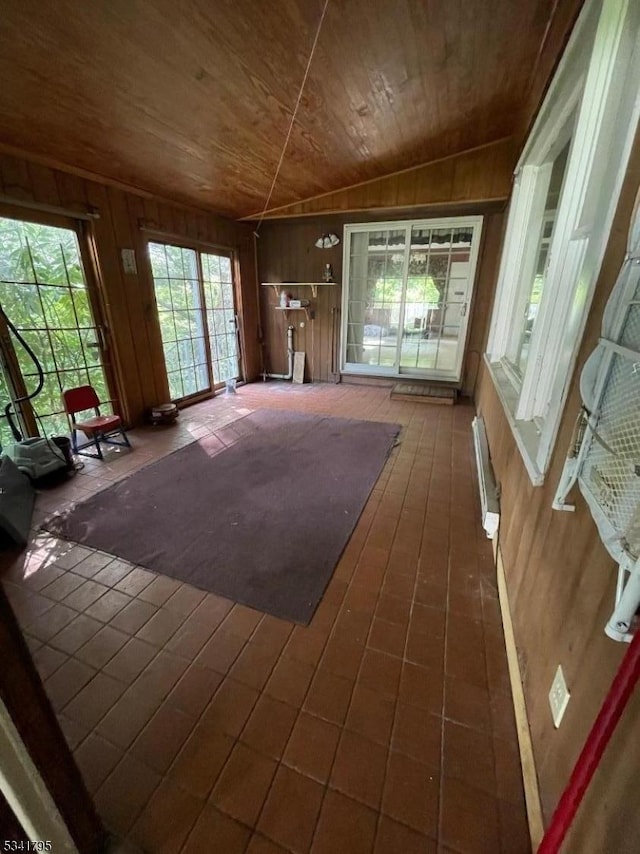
408	291
176	280
375	302
422	311
6	394
221	316
437	299
195	297
44	292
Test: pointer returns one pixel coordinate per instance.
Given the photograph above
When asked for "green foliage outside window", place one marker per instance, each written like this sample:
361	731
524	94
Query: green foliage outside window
420	289
43	292
176	278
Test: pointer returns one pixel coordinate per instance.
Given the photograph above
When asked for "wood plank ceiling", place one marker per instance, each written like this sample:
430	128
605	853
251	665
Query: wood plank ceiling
192	99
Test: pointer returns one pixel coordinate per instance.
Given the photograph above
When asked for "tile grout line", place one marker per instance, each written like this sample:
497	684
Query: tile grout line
355	682
371	412
439	842
406	641
164	775
237	738
325	785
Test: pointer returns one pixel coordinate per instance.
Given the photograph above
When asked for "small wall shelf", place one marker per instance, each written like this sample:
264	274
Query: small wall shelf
278	286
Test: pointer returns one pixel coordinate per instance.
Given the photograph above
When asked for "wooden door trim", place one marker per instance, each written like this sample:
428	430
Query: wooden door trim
23	694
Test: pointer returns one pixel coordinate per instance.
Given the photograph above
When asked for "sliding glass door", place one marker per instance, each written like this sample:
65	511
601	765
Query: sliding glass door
176	279
196	309
408	286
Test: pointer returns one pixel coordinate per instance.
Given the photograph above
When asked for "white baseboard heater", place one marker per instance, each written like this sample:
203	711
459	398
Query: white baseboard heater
488	489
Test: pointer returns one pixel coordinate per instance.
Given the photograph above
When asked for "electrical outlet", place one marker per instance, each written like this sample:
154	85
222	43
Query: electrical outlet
558	697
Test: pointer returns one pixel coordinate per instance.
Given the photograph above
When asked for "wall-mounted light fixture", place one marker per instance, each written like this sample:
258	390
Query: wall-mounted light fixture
327	241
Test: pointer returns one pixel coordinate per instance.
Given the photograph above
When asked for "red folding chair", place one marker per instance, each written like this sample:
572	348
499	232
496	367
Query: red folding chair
100	428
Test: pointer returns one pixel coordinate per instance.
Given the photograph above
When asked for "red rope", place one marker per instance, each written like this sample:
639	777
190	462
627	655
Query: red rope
612	708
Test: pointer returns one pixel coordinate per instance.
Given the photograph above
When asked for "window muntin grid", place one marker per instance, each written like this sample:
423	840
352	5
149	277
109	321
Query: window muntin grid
43	290
195	301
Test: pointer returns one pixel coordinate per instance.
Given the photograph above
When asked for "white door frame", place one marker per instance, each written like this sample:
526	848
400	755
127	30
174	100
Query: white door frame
475	223
27	795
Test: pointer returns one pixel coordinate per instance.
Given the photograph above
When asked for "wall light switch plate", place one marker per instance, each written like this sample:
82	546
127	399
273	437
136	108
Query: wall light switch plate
558	697
129	261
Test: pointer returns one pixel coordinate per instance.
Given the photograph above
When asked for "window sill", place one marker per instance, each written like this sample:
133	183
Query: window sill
525	433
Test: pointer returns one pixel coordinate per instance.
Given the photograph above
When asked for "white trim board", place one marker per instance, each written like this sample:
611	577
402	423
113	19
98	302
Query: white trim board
475	223
527	760
596	91
26	793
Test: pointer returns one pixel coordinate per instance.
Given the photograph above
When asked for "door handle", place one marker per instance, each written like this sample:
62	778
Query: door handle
101	343
463	310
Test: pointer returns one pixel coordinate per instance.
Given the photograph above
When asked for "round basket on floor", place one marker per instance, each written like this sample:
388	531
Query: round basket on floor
165	413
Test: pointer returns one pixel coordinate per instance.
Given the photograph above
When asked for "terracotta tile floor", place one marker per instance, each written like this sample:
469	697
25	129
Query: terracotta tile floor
384	726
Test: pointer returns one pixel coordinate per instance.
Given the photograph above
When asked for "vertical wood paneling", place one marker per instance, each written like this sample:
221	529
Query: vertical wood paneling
113	293
286	252
44	185
16	180
179	221
480	308
478	175
248	308
134	300
136	211
71	189
561	584
128	299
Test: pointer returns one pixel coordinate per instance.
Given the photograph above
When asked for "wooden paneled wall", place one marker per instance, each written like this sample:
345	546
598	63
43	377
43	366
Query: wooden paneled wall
561	584
480	174
287	253
129	298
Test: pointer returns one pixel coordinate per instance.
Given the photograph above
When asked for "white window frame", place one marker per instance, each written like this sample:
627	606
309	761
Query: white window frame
539	176
595	88
475	223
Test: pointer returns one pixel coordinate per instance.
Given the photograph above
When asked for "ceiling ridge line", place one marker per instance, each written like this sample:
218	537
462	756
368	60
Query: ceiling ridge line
387	175
455	205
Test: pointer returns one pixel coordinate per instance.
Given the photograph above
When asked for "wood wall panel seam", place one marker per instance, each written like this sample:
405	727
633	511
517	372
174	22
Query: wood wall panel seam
288	254
128	300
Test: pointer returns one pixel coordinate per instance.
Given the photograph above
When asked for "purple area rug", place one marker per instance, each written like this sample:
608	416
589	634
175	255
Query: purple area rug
262	521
